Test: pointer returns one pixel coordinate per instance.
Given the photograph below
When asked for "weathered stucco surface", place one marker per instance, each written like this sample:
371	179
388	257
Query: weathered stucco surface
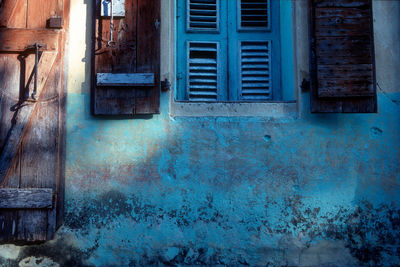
306	190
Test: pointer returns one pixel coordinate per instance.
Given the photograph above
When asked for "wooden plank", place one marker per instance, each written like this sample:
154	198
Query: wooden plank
10	77
148	54
7	9
317	105
18	18
344	50
32	226
8	218
345	80
8	225
342	22
360	105
39	160
344	46
125	79
122	57
19	40
39	11
34	198
342	3
23	115
62	122
114	101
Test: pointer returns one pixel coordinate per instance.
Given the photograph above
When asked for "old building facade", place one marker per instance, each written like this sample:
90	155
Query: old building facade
236	175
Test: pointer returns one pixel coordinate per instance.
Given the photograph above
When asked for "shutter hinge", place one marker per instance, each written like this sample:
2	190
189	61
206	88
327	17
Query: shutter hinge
305	85
165	85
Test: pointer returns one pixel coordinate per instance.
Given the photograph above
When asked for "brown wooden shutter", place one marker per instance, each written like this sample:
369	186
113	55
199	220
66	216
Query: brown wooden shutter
342	56
126	76
31	129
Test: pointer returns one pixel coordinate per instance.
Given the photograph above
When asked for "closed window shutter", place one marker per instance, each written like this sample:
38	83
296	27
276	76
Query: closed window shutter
228	50
258	50
201	47
203	71
126	76
342	57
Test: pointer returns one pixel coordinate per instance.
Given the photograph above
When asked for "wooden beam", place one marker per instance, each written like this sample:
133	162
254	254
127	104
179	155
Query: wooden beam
27	198
25	111
7	9
125	79
19	40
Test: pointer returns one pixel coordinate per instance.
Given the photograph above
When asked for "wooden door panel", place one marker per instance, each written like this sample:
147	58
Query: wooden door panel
31	130
8	218
136	50
9	95
14	14
40	11
7	9
23	115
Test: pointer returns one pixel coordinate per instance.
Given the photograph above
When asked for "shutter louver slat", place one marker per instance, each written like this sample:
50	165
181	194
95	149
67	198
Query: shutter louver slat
203	71
202	15
254	14
255	71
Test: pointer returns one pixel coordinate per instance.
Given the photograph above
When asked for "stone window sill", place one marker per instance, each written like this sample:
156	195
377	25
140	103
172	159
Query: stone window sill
234	109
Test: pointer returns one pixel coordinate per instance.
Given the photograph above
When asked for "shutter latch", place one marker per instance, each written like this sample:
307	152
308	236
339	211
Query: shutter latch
36	47
157	24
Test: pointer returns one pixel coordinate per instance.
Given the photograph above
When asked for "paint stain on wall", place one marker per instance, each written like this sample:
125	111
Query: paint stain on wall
375	132
267	138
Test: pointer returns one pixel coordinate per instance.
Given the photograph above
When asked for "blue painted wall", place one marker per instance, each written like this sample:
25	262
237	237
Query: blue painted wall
317	190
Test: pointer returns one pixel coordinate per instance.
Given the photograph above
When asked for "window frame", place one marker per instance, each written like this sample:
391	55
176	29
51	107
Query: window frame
285	107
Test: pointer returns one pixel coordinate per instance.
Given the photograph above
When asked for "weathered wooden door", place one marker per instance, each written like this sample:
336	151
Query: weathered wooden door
32	105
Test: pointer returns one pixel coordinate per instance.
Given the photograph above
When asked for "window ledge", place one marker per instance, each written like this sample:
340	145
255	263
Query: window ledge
234	109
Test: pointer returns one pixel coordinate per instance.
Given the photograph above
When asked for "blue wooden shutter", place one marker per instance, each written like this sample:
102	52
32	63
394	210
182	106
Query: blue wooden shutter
201	48
254	50
228	50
